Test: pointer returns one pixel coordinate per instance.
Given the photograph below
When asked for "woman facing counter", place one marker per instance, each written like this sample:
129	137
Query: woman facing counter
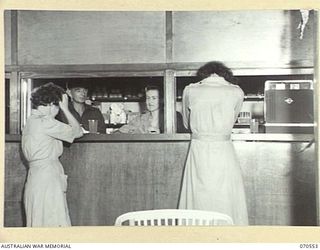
113	174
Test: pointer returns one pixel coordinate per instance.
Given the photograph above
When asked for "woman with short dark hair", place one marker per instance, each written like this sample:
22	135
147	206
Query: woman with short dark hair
217	68
212	177
45	189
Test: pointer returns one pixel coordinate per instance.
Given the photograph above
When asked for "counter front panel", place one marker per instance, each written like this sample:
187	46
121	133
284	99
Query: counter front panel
111	177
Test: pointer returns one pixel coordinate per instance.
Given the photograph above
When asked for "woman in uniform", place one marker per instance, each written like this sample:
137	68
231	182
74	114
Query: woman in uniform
212	178
45	189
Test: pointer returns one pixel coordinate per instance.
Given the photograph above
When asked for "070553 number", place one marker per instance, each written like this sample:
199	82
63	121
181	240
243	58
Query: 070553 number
308	246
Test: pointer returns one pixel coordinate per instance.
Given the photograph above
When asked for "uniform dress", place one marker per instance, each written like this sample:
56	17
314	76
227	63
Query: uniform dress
212	178
45	189
144	124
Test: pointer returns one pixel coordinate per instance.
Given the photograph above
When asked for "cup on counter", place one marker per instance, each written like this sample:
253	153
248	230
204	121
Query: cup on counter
254	126
93	126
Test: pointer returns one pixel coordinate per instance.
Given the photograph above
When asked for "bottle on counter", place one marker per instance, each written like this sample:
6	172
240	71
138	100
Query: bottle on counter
254	126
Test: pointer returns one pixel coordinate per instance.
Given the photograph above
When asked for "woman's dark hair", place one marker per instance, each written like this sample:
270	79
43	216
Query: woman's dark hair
47	94
218	68
151	87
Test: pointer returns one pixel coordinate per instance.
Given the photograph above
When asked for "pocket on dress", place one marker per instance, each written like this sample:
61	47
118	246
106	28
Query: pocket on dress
64	182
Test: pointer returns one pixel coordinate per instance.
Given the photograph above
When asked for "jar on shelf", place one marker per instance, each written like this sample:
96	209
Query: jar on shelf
99	92
105	92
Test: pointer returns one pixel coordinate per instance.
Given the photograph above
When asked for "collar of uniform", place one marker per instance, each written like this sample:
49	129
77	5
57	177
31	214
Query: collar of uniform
150	113
38	113
214	78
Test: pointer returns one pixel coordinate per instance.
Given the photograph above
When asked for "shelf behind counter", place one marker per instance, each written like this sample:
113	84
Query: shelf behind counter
268	137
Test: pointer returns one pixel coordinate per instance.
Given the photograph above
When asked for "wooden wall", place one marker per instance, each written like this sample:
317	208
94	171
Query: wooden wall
15	177
7	36
280	182
54	44
108	179
246	39
122	177
49	37
241	39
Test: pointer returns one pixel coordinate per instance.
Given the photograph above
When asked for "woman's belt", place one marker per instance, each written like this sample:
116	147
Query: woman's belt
210	137
42	162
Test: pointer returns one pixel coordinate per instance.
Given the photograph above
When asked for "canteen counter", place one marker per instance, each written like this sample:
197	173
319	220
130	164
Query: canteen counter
270	137
112	174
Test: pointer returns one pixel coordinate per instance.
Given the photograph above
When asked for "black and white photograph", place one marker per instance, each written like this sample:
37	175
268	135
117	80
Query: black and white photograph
161	118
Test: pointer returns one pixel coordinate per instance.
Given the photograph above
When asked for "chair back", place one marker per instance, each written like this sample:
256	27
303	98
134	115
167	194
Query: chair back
173	217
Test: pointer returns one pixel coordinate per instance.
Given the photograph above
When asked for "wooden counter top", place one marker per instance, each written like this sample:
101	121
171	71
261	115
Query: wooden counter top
272	137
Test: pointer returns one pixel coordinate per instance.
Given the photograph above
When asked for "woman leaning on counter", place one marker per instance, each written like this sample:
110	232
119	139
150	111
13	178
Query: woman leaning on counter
45	190
212	179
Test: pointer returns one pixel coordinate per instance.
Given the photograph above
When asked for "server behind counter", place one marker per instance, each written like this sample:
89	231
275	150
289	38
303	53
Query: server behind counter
151	120
83	112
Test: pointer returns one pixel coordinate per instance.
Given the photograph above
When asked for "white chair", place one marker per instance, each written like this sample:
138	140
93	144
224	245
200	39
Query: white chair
173	217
